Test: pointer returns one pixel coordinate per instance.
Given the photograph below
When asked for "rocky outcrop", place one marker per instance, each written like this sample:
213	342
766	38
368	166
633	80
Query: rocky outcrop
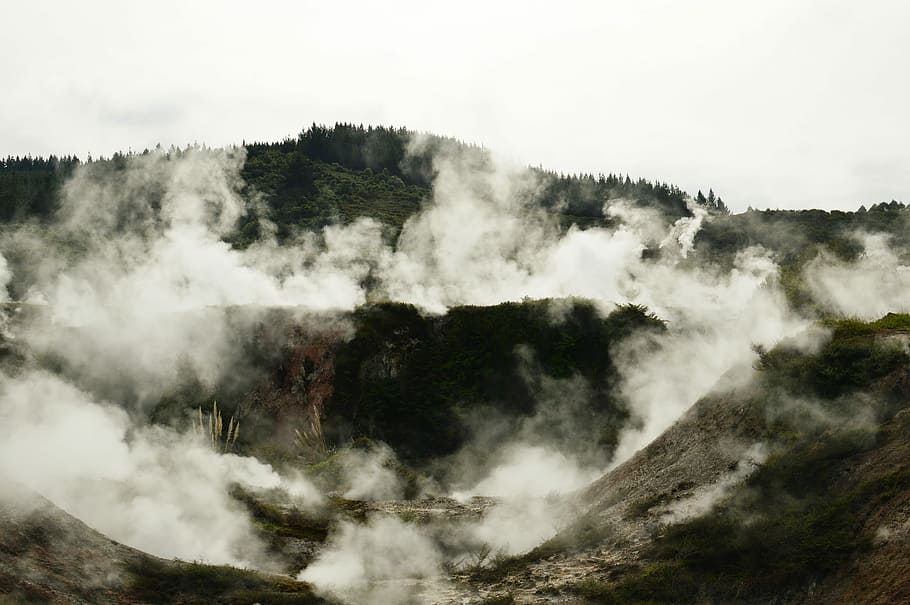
291	398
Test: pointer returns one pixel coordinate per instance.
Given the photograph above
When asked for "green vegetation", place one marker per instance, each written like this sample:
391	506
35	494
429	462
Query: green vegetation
789	531
800	516
182	583
641	507
412	381
408	380
796	235
788	528
335	175
415	382
892	322
327	175
305	193
329	472
282	521
856	357
29	187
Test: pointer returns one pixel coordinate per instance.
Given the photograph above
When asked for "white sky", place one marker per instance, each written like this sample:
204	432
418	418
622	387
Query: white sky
774	104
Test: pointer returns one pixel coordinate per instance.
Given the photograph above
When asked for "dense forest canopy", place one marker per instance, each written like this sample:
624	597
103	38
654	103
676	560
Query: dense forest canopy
344	171
338	173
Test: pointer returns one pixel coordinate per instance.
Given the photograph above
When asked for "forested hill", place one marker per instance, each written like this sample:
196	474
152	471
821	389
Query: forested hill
326	175
336	174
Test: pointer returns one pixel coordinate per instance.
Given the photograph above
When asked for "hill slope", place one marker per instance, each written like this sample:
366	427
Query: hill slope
48	556
792	489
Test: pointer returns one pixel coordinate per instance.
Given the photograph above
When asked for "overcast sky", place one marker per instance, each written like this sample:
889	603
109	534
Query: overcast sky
774	104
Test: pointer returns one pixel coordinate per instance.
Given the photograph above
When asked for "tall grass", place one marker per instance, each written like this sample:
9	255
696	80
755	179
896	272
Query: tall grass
213	429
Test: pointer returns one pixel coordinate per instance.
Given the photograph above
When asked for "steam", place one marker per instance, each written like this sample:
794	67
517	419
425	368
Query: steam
706	497
878	282
368	475
136	262
149	487
135	281
5	277
719	318
359	557
139	271
685	229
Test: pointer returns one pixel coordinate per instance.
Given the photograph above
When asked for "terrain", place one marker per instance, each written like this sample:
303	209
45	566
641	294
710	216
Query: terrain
47	556
367	365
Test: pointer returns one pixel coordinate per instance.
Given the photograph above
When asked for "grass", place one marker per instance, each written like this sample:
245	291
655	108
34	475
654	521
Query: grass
640	507
281	521
193	583
657	584
899	322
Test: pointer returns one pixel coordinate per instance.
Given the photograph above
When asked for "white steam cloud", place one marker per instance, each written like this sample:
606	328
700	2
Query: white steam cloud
878	282
149	487
359	558
135	277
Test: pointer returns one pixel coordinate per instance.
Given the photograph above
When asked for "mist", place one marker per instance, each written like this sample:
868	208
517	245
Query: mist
134	279
148	487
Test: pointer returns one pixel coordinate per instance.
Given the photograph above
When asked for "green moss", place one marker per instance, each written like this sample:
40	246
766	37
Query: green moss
282	521
893	321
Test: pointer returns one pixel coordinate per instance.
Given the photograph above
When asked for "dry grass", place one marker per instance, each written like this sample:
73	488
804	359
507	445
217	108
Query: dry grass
213	429
310	440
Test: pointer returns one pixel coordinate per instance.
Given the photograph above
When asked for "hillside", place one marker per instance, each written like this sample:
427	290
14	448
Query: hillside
336	175
375	366
48	556
792	488
326	175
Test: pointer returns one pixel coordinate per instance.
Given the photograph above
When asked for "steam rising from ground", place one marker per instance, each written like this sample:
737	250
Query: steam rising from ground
707	496
136	266
369	475
876	284
148	487
360	556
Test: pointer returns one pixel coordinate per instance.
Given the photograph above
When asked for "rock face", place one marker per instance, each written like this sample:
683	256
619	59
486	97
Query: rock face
293	396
